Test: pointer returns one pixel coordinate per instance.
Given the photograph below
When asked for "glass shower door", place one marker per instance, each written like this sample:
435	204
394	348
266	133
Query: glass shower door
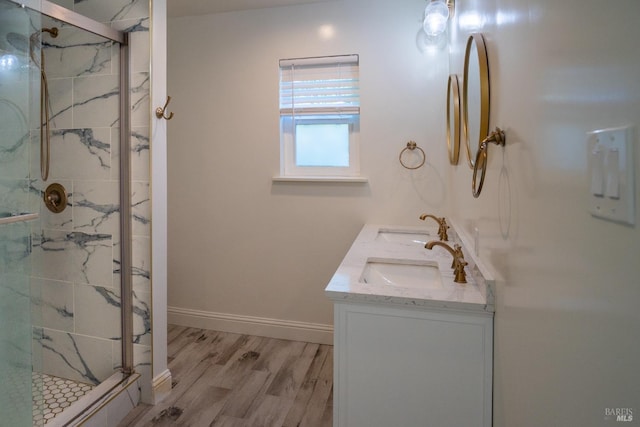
76	265
17	203
16	388
76	253
61	298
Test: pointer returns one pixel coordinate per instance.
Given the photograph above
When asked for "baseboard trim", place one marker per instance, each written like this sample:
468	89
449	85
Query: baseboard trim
161	386
260	326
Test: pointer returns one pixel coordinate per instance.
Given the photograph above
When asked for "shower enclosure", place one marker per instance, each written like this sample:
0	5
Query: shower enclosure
66	304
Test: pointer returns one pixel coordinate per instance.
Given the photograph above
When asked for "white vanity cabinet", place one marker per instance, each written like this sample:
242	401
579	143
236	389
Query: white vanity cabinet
399	366
412	347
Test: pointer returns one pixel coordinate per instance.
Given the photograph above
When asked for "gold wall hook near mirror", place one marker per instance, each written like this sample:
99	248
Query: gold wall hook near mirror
411	146
55	198
161	112
497	137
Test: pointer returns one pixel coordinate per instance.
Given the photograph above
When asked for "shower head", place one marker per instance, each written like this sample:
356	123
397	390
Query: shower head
21	42
18	41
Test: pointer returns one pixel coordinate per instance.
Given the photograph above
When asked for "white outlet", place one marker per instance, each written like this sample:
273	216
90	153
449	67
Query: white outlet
611	174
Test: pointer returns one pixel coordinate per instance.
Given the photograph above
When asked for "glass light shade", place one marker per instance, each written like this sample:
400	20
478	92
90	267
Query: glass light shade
436	15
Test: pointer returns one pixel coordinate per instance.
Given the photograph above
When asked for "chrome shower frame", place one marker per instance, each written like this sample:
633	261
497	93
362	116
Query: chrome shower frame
62	14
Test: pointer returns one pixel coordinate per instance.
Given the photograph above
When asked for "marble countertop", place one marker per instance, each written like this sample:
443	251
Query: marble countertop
346	284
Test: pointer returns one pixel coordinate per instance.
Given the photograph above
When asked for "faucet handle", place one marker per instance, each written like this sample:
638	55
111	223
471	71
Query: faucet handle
458	270
442	230
458	255
459	264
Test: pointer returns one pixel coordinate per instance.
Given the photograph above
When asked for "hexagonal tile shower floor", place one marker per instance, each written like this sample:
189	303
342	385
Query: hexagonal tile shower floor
51	395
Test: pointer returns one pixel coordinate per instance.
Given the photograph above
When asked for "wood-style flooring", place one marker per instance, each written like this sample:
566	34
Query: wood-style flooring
231	380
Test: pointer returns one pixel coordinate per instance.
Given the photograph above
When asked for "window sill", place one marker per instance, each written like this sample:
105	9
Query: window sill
288	178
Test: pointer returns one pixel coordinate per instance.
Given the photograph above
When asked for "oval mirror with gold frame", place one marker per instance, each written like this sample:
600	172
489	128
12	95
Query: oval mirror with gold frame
475	95
453	119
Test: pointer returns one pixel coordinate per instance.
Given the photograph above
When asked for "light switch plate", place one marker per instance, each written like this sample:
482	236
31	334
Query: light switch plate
610	157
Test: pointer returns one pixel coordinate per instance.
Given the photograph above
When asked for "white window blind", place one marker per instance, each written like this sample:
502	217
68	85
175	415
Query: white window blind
318	86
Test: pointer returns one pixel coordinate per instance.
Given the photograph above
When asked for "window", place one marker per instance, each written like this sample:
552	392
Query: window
319	117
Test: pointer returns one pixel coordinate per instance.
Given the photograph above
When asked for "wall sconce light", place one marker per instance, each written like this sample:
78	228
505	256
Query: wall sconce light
436	15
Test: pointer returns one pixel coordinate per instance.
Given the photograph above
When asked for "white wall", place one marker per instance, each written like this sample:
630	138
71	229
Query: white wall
241	245
566	340
567	320
161	376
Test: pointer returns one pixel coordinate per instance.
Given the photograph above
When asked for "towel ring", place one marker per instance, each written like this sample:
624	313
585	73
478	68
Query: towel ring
498	138
411	145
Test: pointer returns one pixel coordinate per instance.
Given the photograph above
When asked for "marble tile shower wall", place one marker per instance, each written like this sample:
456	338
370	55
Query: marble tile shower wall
76	253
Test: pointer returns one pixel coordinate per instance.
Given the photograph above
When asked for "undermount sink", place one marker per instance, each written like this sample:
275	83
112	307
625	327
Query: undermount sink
404	236
405	275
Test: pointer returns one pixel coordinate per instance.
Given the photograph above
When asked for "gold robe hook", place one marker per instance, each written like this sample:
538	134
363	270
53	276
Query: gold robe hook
161	111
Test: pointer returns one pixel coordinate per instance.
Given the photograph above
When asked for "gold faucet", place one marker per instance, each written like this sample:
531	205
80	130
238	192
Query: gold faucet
458	259
442	226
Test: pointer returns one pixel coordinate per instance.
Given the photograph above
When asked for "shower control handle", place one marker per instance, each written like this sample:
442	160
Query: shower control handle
55	198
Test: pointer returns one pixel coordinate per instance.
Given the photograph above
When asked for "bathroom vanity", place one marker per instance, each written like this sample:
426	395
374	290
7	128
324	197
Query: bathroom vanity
411	346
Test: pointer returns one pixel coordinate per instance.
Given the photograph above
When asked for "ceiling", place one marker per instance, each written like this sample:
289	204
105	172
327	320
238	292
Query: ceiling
177	8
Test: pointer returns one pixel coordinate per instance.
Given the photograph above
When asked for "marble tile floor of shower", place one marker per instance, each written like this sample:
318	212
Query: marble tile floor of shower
51	395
